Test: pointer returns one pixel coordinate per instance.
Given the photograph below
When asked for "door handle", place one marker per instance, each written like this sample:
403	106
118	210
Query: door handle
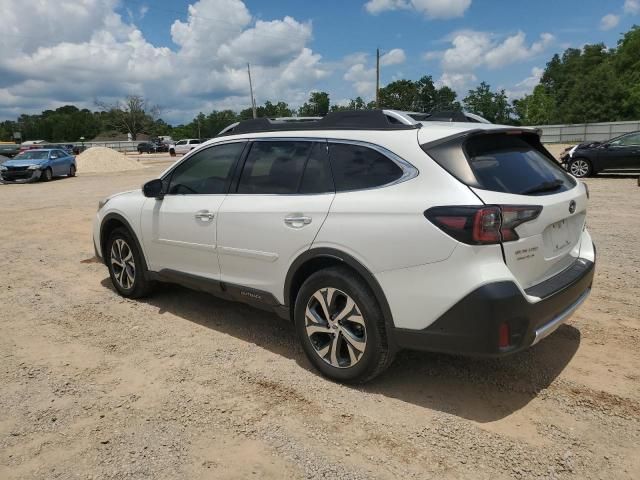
204	215
297	221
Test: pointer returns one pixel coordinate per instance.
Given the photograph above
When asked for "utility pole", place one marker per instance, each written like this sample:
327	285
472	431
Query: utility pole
253	100
377	78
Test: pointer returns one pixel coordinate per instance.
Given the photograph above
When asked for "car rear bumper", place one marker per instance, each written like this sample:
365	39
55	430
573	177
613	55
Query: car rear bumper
472	326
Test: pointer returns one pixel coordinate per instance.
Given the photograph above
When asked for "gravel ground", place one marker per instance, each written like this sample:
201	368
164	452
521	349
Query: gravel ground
182	385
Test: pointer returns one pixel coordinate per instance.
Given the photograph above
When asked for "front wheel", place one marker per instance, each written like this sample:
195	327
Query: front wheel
46	175
341	326
172	152
580	167
126	266
72	171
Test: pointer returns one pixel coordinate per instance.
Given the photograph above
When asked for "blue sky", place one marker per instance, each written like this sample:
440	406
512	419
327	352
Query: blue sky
189	56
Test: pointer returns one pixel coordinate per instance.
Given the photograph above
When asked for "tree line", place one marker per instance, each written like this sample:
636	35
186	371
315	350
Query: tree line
592	84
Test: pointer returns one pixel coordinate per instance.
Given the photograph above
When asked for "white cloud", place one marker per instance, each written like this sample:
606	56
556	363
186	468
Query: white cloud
632	7
100	55
393	57
430	8
472	49
609	21
363	79
456	81
527	85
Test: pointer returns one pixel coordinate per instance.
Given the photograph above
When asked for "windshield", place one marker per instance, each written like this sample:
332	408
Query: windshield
33	155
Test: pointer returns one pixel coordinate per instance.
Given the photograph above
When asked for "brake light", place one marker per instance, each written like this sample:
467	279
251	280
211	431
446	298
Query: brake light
486	225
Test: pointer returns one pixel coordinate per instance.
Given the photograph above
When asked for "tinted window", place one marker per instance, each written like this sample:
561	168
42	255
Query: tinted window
182	142
205	172
356	167
274	167
511	164
628	140
317	173
192	142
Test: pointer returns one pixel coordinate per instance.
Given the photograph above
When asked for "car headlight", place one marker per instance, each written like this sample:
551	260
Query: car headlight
33	167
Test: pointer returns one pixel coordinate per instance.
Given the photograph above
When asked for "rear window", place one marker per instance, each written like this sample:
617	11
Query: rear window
500	162
511	164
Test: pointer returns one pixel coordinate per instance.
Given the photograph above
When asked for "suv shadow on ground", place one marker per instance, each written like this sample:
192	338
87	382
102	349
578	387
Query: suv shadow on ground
482	390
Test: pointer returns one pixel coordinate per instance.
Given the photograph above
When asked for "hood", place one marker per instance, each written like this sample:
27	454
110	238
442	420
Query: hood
587	145
24	162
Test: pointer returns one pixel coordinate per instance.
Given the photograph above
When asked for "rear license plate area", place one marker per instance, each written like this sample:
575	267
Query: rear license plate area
559	235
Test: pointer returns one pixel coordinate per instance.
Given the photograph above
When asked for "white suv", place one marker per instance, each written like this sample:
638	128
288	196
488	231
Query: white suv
182	147
370	234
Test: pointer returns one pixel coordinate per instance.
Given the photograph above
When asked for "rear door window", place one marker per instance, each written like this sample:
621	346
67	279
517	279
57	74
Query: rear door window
357	167
274	167
513	164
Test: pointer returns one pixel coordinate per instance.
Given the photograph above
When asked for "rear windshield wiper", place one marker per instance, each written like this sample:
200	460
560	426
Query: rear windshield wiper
544	187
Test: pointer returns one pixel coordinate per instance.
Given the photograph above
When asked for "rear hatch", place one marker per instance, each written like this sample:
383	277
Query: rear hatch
510	168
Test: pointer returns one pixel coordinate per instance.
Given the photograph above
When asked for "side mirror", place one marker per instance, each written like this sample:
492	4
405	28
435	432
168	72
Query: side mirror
153	189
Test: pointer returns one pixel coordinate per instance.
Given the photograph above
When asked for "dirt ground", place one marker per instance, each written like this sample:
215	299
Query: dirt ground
183	385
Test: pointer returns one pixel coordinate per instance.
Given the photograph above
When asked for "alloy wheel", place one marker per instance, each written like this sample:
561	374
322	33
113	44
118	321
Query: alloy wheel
123	264
335	327
579	168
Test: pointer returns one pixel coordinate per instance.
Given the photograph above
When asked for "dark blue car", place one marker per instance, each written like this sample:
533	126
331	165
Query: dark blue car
40	164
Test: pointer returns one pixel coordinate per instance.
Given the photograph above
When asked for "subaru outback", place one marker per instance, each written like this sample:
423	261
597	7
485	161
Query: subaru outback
370	231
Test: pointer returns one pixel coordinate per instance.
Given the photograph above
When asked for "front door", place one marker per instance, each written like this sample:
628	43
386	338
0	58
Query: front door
179	230
274	213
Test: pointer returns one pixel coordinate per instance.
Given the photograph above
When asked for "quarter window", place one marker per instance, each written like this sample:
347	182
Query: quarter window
274	167
205	172
357	167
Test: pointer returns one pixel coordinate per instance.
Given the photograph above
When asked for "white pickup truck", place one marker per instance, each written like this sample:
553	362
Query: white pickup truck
184	146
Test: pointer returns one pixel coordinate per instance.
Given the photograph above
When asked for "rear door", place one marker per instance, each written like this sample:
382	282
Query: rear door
516	170
273	214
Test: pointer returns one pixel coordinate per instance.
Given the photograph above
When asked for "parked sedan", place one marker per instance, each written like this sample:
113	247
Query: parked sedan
34	165
588	159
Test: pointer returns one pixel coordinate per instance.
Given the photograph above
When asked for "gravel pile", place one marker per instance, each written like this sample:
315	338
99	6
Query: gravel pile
102	159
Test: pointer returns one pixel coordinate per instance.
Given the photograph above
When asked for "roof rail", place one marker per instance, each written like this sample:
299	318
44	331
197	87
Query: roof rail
344	120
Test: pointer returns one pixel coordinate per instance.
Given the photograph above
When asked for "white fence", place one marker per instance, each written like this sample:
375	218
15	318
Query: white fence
586	132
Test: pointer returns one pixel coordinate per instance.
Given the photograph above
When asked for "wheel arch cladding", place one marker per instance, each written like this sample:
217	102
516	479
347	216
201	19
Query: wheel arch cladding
317	259
111	222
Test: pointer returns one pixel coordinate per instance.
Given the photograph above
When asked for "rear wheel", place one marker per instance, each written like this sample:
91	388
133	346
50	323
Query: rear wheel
341	327
126	266
580	167
46	175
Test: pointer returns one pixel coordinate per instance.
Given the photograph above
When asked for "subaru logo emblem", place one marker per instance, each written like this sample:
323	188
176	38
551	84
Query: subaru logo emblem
572	206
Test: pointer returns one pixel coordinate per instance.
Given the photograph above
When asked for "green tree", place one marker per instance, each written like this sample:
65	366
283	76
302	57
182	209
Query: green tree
317	105
400	95
494	106
134	115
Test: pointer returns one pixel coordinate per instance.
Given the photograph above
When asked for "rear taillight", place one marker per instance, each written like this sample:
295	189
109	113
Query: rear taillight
486	225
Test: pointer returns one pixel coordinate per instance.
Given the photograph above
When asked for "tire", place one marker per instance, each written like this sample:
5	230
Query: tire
580	167
126	265
359	339
172	152
46	175
72	171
